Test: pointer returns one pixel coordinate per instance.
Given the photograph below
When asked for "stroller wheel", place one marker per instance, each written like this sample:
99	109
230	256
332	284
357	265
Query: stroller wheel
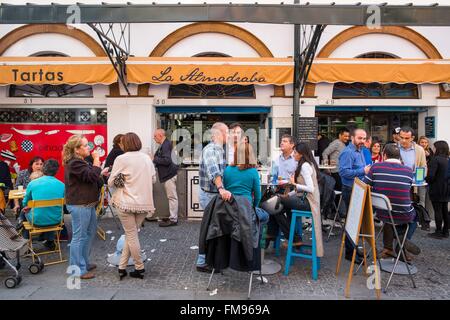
34	268
11	282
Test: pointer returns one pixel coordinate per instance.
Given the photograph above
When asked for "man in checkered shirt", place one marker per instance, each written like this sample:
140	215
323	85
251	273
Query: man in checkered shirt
212	166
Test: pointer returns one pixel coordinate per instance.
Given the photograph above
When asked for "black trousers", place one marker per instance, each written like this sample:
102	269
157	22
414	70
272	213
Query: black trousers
441	215
346	195
283	219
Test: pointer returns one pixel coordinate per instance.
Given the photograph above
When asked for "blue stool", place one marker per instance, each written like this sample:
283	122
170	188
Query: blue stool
277	242
290	254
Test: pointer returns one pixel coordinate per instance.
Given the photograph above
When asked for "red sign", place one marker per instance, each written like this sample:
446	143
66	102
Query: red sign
19	143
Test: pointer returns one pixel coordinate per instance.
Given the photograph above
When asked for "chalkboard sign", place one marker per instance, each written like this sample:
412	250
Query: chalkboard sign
430	128
355	210
308	127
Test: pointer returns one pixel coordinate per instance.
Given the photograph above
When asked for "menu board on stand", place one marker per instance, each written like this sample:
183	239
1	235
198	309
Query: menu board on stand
308	127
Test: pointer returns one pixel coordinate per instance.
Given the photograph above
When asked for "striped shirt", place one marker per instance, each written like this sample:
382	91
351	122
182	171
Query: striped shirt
394	180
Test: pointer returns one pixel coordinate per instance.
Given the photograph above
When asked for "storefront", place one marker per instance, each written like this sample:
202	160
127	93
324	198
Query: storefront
181	76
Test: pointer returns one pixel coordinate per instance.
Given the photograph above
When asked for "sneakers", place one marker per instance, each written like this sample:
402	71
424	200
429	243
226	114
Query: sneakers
168	223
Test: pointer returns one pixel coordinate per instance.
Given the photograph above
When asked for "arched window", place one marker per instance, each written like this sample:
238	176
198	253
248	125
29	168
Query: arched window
375	90
48	90
215	91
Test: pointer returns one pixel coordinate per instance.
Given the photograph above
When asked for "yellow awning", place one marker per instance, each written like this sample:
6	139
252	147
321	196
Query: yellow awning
56	70
212	70
227	71
380	70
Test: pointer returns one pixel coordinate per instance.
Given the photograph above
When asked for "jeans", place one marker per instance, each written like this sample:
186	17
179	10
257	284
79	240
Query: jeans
204	199
84	228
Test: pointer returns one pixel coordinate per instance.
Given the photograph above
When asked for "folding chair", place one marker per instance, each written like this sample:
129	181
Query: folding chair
101	210
336	215
34	230
381	202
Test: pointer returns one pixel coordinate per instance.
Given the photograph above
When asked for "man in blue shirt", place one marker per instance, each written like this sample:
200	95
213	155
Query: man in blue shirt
352	165
285	165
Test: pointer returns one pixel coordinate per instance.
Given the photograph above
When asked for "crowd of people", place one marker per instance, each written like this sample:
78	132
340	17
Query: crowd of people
227	170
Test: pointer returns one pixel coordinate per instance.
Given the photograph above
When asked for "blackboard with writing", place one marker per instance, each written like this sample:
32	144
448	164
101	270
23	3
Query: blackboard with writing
308	127
430	129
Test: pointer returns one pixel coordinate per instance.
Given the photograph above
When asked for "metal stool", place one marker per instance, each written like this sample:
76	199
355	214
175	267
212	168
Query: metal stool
336	194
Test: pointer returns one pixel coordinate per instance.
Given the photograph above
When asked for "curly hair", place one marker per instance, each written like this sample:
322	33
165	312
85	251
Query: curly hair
69	148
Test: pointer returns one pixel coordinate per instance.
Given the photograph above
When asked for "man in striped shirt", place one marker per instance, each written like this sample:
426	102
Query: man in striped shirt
394	180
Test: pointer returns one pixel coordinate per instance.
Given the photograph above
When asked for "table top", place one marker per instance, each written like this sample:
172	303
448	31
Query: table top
16	194
322	167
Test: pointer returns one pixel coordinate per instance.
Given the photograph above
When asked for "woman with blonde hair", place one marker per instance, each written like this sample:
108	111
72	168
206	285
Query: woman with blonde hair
133	175
82	190
425	144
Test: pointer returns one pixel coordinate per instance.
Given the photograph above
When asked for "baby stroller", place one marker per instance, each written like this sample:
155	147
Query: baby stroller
11	242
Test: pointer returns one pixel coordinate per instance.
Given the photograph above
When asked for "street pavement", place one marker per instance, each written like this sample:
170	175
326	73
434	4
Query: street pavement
171	273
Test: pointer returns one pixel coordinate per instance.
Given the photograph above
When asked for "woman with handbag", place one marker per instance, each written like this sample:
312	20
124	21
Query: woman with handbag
305	197
133	175
82	181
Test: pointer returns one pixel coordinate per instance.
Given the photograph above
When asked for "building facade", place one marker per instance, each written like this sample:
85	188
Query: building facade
102	111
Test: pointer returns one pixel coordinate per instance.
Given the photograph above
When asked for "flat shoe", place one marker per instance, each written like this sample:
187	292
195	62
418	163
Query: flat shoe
88	275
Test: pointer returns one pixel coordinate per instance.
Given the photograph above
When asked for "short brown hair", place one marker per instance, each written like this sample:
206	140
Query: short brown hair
244	157
117	140
289	137
131	142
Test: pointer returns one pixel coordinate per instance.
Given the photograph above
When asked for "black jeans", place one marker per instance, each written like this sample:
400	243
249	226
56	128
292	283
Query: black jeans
441	214
283	219
346	195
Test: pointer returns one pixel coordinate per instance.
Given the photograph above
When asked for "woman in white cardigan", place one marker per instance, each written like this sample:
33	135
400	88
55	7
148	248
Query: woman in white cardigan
133	198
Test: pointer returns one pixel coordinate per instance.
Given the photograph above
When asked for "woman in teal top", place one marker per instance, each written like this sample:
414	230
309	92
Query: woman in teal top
241	178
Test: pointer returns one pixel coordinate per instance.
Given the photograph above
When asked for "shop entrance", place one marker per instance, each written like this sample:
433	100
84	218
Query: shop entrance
378	124
191	118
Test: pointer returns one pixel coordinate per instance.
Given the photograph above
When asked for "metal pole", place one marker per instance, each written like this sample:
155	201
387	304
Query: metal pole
296	95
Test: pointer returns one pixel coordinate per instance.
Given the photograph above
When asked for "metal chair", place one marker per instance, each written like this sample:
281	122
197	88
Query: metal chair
100	211
33	229
336	215
382	202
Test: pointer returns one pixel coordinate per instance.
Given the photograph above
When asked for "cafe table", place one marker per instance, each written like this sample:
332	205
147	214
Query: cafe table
15	195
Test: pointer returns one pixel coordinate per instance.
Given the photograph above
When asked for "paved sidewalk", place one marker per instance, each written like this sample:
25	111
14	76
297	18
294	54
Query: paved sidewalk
171	273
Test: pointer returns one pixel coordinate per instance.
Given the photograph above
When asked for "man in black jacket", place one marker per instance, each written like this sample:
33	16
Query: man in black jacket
167	173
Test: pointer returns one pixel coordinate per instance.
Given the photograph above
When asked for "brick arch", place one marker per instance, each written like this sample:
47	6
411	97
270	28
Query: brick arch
403	32
28	30
210	27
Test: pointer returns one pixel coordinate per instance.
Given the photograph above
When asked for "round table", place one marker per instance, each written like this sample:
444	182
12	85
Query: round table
387	265
269	266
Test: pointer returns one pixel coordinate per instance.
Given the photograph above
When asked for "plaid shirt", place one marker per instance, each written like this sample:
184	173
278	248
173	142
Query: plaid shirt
212	165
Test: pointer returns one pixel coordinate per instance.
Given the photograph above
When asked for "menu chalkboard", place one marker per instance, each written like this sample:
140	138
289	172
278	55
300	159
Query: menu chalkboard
308	127
430	127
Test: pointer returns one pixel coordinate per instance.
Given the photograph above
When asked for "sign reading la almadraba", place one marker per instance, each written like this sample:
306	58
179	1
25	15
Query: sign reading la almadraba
198	76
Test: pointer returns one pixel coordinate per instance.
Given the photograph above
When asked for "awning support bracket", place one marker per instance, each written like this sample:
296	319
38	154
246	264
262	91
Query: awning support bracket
117	51
305	47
